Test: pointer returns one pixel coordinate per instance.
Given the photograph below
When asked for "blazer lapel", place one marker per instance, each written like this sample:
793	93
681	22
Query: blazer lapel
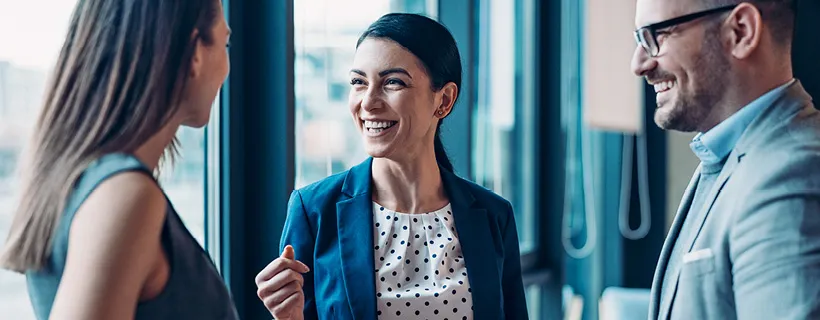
354	222
795	100
769	118
689	240
728	169
663	261
473	227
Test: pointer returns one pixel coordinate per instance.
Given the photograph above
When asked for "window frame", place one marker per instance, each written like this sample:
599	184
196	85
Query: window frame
542	267
257	144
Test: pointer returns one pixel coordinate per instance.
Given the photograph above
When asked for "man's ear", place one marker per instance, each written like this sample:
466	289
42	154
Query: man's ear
745	28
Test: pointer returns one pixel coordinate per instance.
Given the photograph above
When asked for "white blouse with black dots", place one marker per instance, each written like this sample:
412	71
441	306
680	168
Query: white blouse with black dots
420	270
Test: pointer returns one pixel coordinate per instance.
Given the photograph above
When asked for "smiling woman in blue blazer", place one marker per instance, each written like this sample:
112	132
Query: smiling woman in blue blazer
398	236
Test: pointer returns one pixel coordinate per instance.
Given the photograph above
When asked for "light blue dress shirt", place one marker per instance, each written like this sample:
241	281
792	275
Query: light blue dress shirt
715	145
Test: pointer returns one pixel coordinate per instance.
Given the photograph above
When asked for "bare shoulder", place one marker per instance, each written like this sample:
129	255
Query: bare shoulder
114	249
125	212
128	199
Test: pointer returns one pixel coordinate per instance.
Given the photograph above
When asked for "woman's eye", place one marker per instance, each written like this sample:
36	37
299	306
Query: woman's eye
395	82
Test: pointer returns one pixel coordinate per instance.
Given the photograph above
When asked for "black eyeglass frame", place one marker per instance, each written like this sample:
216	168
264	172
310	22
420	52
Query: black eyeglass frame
652	29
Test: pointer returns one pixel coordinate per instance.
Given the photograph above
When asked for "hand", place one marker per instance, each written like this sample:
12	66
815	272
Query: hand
279	286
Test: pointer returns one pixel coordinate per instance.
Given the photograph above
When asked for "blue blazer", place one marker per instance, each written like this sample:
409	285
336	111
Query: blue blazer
330	226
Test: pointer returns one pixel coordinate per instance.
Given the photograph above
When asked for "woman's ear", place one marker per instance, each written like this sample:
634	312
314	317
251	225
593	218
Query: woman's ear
449	93
196	58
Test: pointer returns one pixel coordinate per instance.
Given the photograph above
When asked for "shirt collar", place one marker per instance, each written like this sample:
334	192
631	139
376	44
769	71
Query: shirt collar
715	145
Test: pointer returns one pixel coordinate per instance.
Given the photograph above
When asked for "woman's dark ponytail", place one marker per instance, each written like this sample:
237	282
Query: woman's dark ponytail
441	154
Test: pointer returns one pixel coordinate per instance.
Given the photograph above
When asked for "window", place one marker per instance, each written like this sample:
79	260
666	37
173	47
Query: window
185	181
29	49
26	56
325	38
504	119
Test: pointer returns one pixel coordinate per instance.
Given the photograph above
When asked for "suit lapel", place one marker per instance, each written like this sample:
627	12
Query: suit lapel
725	173
663	261
793	101
354	226
771	117
354	222
689	240
473	227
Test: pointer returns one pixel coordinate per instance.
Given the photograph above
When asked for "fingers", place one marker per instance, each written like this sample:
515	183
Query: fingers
278	297
277	266
290	308
302	268
289	254
278	282
279	285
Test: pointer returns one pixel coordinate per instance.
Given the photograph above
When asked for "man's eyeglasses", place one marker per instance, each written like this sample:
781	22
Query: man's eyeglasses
647	37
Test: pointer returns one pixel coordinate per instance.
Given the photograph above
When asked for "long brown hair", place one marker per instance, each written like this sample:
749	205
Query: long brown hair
117	82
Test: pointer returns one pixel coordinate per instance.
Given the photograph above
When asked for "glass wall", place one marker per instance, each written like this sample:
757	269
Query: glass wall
185	181
325	38
31	40
26	57
504	117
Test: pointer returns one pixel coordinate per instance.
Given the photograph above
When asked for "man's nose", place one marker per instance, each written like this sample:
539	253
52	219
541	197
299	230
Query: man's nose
642	63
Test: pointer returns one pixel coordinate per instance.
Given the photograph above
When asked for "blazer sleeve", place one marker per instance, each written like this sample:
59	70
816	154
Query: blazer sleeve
299	234
775	246
515	302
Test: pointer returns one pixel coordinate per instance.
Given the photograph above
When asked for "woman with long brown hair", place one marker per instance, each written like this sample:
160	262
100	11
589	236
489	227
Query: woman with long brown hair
94	233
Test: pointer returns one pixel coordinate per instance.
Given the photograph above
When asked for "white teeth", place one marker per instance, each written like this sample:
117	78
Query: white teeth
664	86
378	124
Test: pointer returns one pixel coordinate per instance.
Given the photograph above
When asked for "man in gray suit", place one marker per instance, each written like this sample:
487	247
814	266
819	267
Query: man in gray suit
745	243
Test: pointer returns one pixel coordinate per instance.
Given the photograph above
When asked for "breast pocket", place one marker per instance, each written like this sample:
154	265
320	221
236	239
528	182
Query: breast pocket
698	263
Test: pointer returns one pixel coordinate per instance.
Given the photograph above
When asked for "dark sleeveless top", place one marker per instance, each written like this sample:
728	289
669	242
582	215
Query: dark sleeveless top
194	289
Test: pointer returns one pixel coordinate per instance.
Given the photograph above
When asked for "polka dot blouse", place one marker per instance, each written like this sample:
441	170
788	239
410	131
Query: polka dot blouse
420	270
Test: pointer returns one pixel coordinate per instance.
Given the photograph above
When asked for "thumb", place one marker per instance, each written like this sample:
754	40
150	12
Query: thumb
288	253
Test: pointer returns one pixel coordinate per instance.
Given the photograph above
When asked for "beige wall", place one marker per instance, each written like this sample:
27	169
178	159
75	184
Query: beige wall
612	95
681	163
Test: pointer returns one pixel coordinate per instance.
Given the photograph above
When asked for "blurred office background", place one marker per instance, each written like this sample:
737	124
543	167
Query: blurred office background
549	116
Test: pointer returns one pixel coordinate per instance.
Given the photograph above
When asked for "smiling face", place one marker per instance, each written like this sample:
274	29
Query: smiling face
690	73
392	101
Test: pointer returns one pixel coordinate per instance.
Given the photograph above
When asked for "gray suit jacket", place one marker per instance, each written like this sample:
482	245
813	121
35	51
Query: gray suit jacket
756	254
